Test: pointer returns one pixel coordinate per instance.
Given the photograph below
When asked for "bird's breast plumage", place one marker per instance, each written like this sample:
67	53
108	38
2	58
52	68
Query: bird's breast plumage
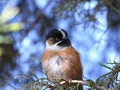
62	64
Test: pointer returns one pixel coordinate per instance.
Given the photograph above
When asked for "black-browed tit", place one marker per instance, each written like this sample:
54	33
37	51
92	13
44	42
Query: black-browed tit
60	60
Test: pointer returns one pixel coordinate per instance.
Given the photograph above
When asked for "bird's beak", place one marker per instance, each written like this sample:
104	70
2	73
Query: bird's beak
66	40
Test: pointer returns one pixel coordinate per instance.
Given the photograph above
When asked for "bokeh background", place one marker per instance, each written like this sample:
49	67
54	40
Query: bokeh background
93	27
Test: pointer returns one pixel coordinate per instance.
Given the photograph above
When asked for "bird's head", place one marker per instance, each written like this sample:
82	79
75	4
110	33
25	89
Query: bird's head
57	39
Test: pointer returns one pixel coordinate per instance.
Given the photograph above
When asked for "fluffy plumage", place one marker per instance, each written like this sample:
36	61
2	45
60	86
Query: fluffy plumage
60	60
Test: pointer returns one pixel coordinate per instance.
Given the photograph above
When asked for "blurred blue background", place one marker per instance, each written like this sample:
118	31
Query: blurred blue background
89	28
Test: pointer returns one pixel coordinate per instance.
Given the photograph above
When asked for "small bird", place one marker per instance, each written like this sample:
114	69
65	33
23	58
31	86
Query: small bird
60	60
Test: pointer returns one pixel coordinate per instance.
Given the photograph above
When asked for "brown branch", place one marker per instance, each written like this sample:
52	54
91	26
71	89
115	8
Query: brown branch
89	83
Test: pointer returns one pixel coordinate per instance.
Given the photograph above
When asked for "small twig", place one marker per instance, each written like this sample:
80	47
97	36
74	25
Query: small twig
87	83
39	70
75	81
34	74
109	79
27	76
13	87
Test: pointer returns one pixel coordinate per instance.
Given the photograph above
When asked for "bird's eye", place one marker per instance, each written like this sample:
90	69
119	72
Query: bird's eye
56	39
